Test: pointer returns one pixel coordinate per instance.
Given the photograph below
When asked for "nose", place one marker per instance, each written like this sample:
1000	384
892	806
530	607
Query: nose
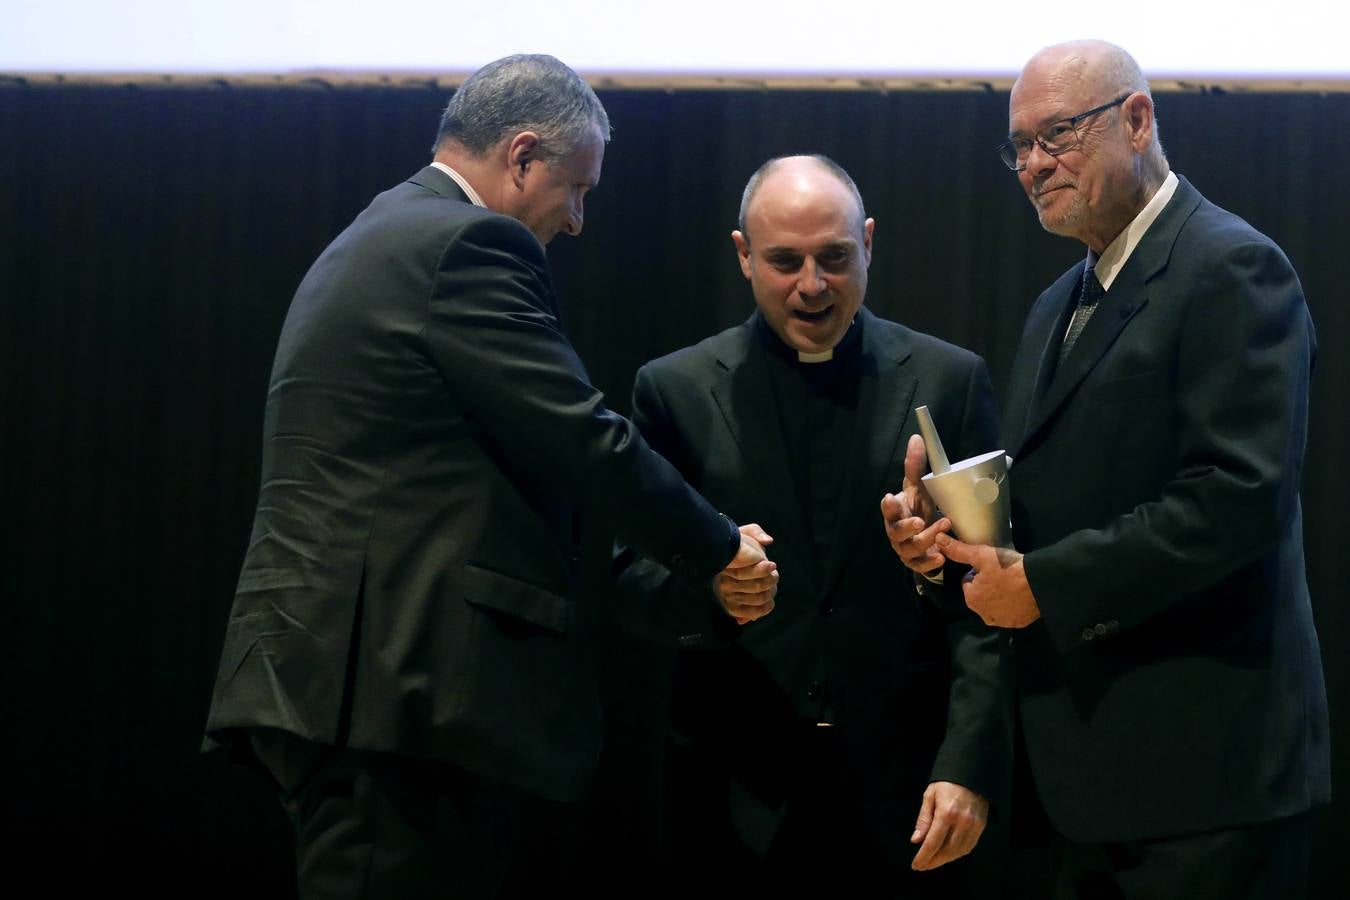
575	218
1039	161
809	280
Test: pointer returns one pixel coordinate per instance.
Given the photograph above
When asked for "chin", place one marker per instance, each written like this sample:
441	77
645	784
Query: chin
802	345
1054	226
1064	223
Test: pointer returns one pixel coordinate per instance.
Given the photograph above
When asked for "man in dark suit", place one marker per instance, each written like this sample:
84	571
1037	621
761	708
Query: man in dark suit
407	653
814	749
1170	686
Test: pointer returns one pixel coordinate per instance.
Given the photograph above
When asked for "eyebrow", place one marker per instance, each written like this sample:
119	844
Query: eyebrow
1041	124
843	244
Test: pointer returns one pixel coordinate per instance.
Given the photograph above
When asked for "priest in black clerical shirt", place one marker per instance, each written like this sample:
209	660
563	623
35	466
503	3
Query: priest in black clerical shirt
858	735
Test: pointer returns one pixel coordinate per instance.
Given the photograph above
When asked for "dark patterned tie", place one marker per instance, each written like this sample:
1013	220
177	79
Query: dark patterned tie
1088	298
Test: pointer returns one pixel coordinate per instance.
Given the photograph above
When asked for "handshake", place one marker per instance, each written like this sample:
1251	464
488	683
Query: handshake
746	587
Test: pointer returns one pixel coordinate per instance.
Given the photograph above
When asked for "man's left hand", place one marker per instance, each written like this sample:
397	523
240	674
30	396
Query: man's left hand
950	823
996	588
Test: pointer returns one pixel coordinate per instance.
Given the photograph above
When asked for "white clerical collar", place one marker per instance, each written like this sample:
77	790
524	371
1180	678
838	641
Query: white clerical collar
826	355
463	185
1117	253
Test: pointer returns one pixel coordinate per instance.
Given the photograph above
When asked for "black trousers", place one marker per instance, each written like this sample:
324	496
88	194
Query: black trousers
821	845
376	825
1266	861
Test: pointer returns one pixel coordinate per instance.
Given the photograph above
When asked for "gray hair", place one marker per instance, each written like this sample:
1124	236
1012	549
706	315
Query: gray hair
526	92
763	171
1123	75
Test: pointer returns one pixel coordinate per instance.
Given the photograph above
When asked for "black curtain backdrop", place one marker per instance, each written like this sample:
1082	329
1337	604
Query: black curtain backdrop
150	241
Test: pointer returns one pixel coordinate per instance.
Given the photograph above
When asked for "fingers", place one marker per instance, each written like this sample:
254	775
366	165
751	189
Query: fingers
895	507
950	547
926	557
759	535
932	853
925	819
957	817
912	541
916	460
748	612
747	593
749	553
750	579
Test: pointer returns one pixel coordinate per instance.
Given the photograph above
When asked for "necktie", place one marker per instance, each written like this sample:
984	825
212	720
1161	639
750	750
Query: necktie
1088	298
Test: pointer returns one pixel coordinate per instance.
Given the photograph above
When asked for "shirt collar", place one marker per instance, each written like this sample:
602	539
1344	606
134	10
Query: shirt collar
463	184
1114	257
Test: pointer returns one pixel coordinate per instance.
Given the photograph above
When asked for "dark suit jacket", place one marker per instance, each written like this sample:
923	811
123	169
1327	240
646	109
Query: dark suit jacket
1174	683
409	584
917	688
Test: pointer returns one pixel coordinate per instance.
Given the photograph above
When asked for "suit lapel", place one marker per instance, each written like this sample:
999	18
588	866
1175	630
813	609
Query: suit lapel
876	453
1034	367
1115	310
745	397
1128	295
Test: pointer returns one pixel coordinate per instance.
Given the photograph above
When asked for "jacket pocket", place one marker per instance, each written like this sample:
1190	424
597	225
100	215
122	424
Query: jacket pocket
492	590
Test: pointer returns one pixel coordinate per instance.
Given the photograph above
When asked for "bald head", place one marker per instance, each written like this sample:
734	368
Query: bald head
798	174
1091	185
1091	65
1092	72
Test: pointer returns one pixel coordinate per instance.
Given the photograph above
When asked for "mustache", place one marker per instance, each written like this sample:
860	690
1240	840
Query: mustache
1047	187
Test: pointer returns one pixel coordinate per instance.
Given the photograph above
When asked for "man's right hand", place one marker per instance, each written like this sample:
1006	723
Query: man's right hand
746	587
909	516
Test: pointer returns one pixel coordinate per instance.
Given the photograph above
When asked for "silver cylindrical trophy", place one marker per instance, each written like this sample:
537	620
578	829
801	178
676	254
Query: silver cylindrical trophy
973	493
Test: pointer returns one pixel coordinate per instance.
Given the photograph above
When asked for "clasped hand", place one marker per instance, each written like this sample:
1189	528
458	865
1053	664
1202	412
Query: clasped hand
747	586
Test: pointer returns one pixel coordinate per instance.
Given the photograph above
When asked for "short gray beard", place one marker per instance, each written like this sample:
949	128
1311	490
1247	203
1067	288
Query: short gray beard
1068	222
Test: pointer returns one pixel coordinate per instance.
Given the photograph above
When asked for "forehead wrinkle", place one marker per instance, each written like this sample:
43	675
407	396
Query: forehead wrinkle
1058	78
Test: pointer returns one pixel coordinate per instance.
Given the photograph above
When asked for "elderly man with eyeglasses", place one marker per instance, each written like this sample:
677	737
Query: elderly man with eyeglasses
1170	689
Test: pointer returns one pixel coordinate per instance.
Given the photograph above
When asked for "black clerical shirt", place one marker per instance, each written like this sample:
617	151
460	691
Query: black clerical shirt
817	406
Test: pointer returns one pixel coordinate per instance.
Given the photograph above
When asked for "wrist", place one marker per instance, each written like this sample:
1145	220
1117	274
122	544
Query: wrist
733	538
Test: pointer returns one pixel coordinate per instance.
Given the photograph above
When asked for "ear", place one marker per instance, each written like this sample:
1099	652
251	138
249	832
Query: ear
1137	112
521	151
867	241
742	252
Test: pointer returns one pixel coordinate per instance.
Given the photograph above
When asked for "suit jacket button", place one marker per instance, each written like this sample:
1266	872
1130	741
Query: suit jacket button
1088	634
813	691
826	608
1112	625
1099	628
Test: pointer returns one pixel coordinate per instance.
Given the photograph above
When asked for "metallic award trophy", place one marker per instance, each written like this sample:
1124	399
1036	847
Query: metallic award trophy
973	493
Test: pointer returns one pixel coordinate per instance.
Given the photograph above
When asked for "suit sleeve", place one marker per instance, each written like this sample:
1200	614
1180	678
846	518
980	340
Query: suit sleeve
1243	359
494	334
977	749
681	608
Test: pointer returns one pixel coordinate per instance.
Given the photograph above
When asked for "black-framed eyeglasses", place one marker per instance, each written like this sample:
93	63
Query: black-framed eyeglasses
1055	138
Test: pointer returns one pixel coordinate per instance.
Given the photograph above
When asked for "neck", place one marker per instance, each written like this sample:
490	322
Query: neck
476	170
1131	206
